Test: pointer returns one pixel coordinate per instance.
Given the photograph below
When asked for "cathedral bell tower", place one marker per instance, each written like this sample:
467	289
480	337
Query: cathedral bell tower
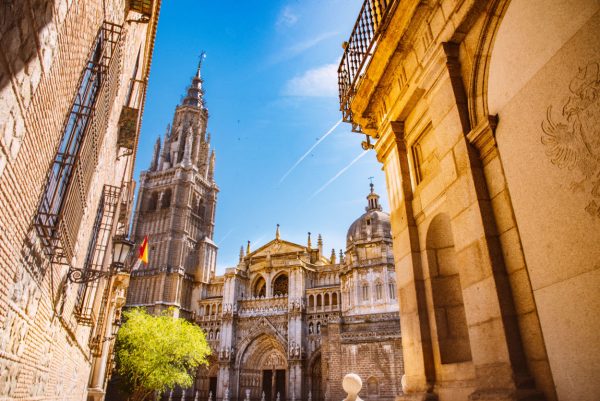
176	211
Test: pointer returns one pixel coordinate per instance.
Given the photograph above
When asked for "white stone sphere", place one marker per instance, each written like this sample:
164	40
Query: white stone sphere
352	383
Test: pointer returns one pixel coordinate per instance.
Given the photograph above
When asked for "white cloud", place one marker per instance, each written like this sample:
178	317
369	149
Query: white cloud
316	82
286	18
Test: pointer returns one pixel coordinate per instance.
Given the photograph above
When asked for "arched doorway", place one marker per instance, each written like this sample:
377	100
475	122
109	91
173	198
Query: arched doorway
263	369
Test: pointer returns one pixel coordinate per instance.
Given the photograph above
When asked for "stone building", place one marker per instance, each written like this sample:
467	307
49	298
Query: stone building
176	211
72	88
287	321
485	115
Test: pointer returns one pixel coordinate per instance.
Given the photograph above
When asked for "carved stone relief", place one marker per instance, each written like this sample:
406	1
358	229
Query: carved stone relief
572	139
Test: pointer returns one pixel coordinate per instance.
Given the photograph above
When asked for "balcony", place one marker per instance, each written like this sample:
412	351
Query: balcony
358	52
263	306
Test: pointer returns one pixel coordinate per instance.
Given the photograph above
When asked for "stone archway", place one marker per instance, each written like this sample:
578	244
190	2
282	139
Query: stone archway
262	368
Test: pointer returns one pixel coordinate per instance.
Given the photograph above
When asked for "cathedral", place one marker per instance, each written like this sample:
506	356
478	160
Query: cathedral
290	320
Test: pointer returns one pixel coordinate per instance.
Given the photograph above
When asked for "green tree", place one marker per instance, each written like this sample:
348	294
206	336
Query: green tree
156	353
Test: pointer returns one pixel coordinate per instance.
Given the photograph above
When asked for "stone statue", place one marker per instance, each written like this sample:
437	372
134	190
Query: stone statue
278	397
263	397
210	396
196	398
183	395
247	395
310	396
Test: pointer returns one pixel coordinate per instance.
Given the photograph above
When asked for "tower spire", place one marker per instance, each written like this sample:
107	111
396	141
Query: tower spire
372	198
194	93
202	57
277	236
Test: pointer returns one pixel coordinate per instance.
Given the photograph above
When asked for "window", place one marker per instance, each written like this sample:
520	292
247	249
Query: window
260	288
365	292
78	149
392	289
280	286
152	202
424	155
166	199
379	291
99	240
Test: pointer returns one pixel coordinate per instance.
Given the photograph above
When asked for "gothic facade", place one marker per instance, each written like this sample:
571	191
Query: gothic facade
288	322
176	211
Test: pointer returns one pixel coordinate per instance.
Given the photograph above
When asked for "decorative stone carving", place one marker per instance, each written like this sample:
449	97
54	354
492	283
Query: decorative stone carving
573	141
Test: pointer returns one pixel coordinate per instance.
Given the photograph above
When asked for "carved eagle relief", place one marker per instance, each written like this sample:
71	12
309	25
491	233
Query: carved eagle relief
573	141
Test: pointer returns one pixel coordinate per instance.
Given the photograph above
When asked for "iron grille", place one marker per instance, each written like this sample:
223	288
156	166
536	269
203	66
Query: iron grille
101	232
71	171
358	52
141	6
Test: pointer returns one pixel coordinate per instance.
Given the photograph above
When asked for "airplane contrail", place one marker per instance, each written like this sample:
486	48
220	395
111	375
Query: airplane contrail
225	236
310	150
335	177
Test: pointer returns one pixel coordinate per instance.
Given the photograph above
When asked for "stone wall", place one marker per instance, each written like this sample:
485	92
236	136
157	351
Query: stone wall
373	350
484	120
44	351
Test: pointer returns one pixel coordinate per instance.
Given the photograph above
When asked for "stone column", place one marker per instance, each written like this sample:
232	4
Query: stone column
414	320
495	342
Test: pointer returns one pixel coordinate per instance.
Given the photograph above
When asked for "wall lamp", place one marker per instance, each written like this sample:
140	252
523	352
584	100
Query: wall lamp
121	248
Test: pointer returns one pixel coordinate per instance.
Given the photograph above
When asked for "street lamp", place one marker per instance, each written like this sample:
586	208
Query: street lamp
121	248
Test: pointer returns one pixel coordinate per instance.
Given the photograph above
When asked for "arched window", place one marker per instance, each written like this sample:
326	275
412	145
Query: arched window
210	335
217	334
365	292
372	386
280	285
318	327
201	208
152	202
334	299
310	328
166	199
326	300
319	301
260	288
392	289
379	291
311	301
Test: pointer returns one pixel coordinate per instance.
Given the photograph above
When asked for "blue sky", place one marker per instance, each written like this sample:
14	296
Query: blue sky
271	91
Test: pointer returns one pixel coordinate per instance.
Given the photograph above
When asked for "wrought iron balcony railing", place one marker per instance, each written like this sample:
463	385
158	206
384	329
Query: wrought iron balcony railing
358	52
71	172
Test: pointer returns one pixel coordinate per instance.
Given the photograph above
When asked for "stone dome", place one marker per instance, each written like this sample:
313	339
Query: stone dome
373	224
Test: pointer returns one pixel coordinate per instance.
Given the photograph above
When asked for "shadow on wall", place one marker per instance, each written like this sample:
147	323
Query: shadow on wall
25	35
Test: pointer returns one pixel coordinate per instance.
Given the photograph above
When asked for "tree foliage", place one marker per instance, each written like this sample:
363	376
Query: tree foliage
156	353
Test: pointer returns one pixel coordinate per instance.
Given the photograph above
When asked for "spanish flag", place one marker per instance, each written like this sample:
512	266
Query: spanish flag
144	251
